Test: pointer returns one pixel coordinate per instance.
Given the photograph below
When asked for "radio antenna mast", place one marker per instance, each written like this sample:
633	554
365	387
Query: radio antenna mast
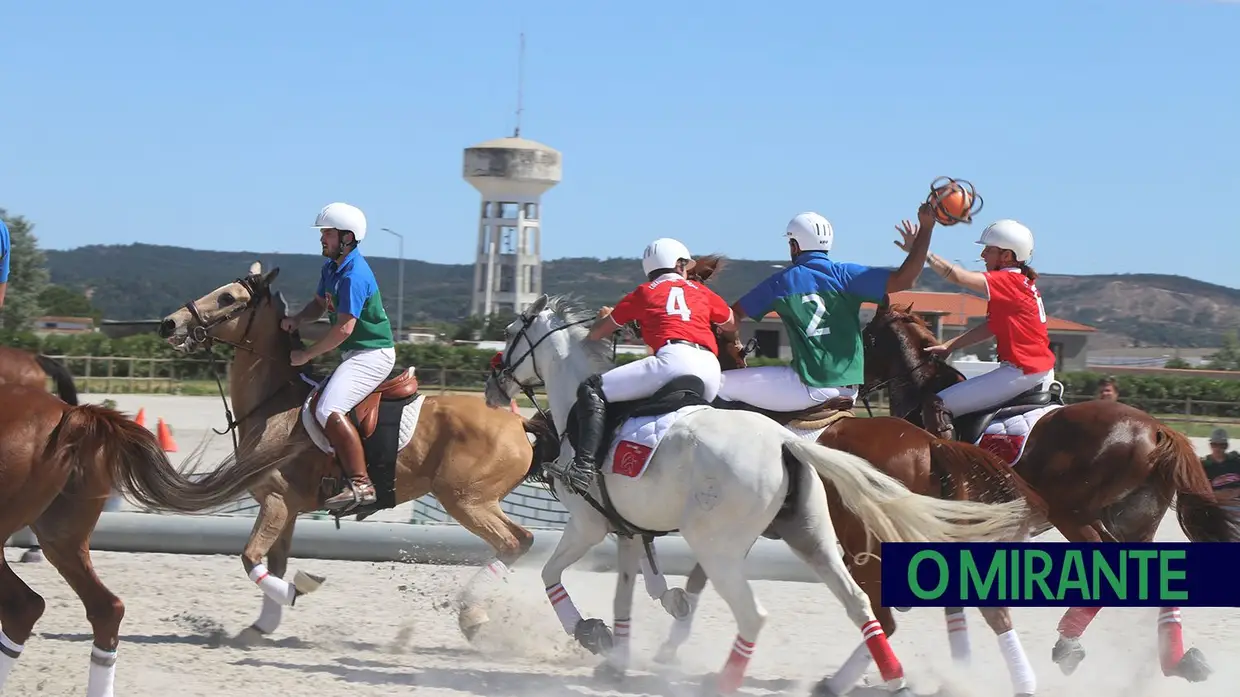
520	84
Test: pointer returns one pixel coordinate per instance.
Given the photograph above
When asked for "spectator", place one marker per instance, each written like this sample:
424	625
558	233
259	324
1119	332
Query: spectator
1108	389
1222	467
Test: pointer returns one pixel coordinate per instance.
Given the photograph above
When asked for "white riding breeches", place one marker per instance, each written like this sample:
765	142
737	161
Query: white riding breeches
777	388
991	389
359	374
644	377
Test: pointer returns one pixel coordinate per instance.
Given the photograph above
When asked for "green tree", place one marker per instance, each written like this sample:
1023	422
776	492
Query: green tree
27	275
1228	357
63	302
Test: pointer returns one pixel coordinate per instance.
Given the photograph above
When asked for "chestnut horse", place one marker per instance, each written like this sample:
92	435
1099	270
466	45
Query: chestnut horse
18	367
470	456
925	465
59	464
1105	470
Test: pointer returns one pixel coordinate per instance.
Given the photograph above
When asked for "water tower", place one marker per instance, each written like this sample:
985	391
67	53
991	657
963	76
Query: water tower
511	174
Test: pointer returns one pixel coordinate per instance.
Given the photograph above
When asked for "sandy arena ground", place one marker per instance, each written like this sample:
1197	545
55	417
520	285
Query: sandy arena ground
183	612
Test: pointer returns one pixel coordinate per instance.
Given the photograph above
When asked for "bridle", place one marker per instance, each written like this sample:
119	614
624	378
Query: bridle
906	377
199	338
502	369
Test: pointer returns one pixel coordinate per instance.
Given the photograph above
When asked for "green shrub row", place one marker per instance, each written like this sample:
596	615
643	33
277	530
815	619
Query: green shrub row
468	364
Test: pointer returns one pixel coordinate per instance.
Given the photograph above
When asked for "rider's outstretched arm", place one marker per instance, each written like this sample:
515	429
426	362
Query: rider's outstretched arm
964	278
904	277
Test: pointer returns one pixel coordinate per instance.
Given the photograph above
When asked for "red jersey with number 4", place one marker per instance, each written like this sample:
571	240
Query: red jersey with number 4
673	308
1017	318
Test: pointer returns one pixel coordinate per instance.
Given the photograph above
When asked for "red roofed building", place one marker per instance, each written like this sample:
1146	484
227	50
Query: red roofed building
949	314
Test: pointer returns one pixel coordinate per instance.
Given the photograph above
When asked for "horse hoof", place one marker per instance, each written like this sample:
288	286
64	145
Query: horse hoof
1068	654
1193	666
32	556
593	635
676	602
901	609
470	620
307	583
608	673
822	689
903	692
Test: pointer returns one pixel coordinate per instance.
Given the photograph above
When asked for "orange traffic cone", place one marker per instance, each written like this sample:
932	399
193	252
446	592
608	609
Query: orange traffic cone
165	437
140	419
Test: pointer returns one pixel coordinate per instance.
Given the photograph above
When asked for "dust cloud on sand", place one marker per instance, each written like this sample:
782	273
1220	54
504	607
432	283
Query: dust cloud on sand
390	629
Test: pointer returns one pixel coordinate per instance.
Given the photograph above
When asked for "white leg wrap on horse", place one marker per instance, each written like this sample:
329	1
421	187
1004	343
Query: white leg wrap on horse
102	672
619	656
9	653
1023	680
958	637
681	628
269	617
656	584
564	608
487	578
274	587
850	673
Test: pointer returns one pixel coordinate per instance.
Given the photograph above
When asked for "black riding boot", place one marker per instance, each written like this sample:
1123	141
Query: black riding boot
591	415
938	419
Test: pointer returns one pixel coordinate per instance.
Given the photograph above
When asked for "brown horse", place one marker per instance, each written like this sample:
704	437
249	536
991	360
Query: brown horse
59	463
470	456
18	367
924	464
1105	470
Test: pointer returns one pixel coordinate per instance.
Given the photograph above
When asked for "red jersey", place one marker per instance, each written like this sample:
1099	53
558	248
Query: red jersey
1017	318
673	307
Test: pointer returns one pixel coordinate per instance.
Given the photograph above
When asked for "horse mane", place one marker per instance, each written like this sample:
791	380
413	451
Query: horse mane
573	311
903	314
705	267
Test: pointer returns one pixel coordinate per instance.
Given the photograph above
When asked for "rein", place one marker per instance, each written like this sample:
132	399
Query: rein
201	338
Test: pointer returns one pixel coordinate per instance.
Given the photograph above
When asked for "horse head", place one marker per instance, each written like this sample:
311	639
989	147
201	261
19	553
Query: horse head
226	314
546	341
731	353
895	342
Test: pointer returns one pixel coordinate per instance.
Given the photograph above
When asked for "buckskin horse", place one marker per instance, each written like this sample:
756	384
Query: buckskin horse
921	462
18	367
1106	471
720	477
470	456
59	463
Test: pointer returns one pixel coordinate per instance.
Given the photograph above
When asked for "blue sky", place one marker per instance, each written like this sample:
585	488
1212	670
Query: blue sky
1108	127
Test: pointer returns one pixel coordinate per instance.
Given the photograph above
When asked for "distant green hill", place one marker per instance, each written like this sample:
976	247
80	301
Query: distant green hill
142	281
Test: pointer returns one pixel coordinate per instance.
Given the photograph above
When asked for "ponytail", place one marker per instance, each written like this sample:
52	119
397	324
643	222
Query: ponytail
1028	271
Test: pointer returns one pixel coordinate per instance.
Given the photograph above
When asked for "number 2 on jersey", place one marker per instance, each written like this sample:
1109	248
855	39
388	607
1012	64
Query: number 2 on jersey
676	303
820	311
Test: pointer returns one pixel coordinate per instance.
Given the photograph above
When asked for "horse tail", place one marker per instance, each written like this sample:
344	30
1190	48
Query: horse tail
92	436
892	513
546	445
61	376
1201	516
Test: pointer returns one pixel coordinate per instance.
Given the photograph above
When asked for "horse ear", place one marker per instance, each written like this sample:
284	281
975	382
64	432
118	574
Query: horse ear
271	275
256	268
885	303
537	306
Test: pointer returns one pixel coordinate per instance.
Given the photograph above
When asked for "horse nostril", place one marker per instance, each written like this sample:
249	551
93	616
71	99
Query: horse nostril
166	328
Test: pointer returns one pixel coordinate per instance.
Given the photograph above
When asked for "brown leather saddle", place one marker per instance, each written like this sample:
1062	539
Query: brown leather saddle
366	413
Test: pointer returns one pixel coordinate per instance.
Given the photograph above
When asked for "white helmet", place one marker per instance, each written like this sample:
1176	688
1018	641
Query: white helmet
1009	234
663	253
811	231
342	216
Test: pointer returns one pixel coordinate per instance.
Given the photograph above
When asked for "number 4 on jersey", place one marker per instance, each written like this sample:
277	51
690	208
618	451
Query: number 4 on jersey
676	303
